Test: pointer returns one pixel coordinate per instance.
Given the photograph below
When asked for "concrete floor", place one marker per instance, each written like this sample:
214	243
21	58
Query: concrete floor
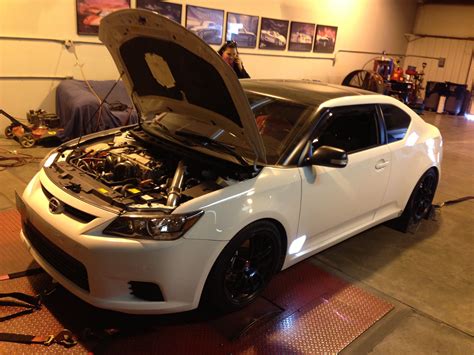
428	276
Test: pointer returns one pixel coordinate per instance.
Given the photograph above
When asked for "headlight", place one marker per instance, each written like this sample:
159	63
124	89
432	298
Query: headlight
169	227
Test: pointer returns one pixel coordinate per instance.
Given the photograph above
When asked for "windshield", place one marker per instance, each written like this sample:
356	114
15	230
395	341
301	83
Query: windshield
276	119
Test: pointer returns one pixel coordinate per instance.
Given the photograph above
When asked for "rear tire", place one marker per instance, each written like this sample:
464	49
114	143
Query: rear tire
419	205
9	132
244	268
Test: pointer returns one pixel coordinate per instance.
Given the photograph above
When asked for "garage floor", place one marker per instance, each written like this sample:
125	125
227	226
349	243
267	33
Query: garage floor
428	276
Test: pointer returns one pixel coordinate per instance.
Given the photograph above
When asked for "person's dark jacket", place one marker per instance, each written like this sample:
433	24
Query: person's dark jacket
241	74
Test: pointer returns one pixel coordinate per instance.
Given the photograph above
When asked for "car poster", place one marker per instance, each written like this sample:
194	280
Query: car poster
167	9
301	36
90	12
273	34
242	29
325	39
206	23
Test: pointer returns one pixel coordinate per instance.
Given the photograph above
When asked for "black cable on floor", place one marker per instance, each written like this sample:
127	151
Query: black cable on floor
452	202
11	159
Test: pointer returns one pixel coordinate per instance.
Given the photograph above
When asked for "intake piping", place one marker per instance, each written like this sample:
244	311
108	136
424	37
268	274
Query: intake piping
174	191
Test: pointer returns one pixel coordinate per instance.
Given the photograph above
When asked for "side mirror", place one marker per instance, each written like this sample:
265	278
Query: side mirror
327	156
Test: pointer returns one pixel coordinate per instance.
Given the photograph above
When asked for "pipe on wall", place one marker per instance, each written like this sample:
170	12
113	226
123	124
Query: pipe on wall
384	53
66	42
70	43
35	77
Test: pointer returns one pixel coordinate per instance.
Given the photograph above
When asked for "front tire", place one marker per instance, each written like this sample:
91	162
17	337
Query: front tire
244	268
420	203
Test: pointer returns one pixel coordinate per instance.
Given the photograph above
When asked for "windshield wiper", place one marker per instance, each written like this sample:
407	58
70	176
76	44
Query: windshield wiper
205	141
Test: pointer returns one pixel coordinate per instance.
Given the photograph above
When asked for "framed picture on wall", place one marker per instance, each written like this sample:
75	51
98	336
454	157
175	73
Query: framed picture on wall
301	36
167	9
273	34
325	41
90	12
206	23
242	29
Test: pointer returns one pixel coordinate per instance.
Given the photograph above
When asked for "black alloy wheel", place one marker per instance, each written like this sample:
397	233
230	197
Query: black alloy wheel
244	267
423	197
419	204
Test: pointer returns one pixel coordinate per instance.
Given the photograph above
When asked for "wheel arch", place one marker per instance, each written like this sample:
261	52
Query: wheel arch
206	293
437	172
405	222
283	238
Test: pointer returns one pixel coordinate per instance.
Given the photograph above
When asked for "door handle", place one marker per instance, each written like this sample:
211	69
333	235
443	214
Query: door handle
381	164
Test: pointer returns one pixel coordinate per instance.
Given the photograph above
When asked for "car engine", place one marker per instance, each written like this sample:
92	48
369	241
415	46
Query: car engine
143	177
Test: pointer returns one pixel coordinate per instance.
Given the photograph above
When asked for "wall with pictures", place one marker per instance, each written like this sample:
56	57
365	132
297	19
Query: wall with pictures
443	31
362	25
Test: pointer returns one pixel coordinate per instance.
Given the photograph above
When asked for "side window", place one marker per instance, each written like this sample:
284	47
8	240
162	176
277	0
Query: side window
350	128
396	122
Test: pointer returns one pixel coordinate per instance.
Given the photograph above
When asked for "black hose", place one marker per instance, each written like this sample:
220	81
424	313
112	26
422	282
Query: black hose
452	202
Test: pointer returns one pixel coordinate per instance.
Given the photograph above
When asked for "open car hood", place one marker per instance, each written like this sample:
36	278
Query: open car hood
167	68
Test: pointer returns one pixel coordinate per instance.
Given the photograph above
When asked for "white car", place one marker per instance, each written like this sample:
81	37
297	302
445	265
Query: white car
273	37
223	183
208	31
301	37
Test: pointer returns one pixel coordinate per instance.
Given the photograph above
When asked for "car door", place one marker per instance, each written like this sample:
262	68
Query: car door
339	202
397	123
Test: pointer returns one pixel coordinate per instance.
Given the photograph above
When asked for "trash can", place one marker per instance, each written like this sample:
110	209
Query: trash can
434	90
455	99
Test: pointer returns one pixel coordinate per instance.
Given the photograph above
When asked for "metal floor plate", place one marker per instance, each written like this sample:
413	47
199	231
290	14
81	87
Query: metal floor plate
13	254
304	310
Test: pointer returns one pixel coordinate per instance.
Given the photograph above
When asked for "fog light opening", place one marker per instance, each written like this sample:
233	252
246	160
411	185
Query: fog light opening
147	291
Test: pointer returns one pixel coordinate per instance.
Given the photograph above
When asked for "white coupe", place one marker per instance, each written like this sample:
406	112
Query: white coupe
223	183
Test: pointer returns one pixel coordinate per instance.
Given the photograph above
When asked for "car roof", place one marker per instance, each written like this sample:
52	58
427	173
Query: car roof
309	92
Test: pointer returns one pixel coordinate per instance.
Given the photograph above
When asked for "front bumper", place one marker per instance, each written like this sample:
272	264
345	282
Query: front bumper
179	267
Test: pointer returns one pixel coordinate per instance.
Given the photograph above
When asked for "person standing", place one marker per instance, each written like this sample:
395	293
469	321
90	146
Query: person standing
230	55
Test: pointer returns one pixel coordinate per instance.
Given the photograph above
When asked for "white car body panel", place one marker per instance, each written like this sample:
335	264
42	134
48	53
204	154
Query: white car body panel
335	200
111	261
274	193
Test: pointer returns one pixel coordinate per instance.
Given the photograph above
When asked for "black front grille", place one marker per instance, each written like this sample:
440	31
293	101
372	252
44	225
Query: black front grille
70	211
65	264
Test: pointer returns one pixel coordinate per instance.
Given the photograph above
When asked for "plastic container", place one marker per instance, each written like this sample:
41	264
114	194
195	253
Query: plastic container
441	103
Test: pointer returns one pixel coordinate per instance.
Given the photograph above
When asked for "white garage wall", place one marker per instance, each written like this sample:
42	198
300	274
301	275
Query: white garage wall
445	20
363	25
456	52
434	26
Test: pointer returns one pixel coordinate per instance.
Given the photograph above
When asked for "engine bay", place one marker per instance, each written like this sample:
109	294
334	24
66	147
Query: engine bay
135	175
